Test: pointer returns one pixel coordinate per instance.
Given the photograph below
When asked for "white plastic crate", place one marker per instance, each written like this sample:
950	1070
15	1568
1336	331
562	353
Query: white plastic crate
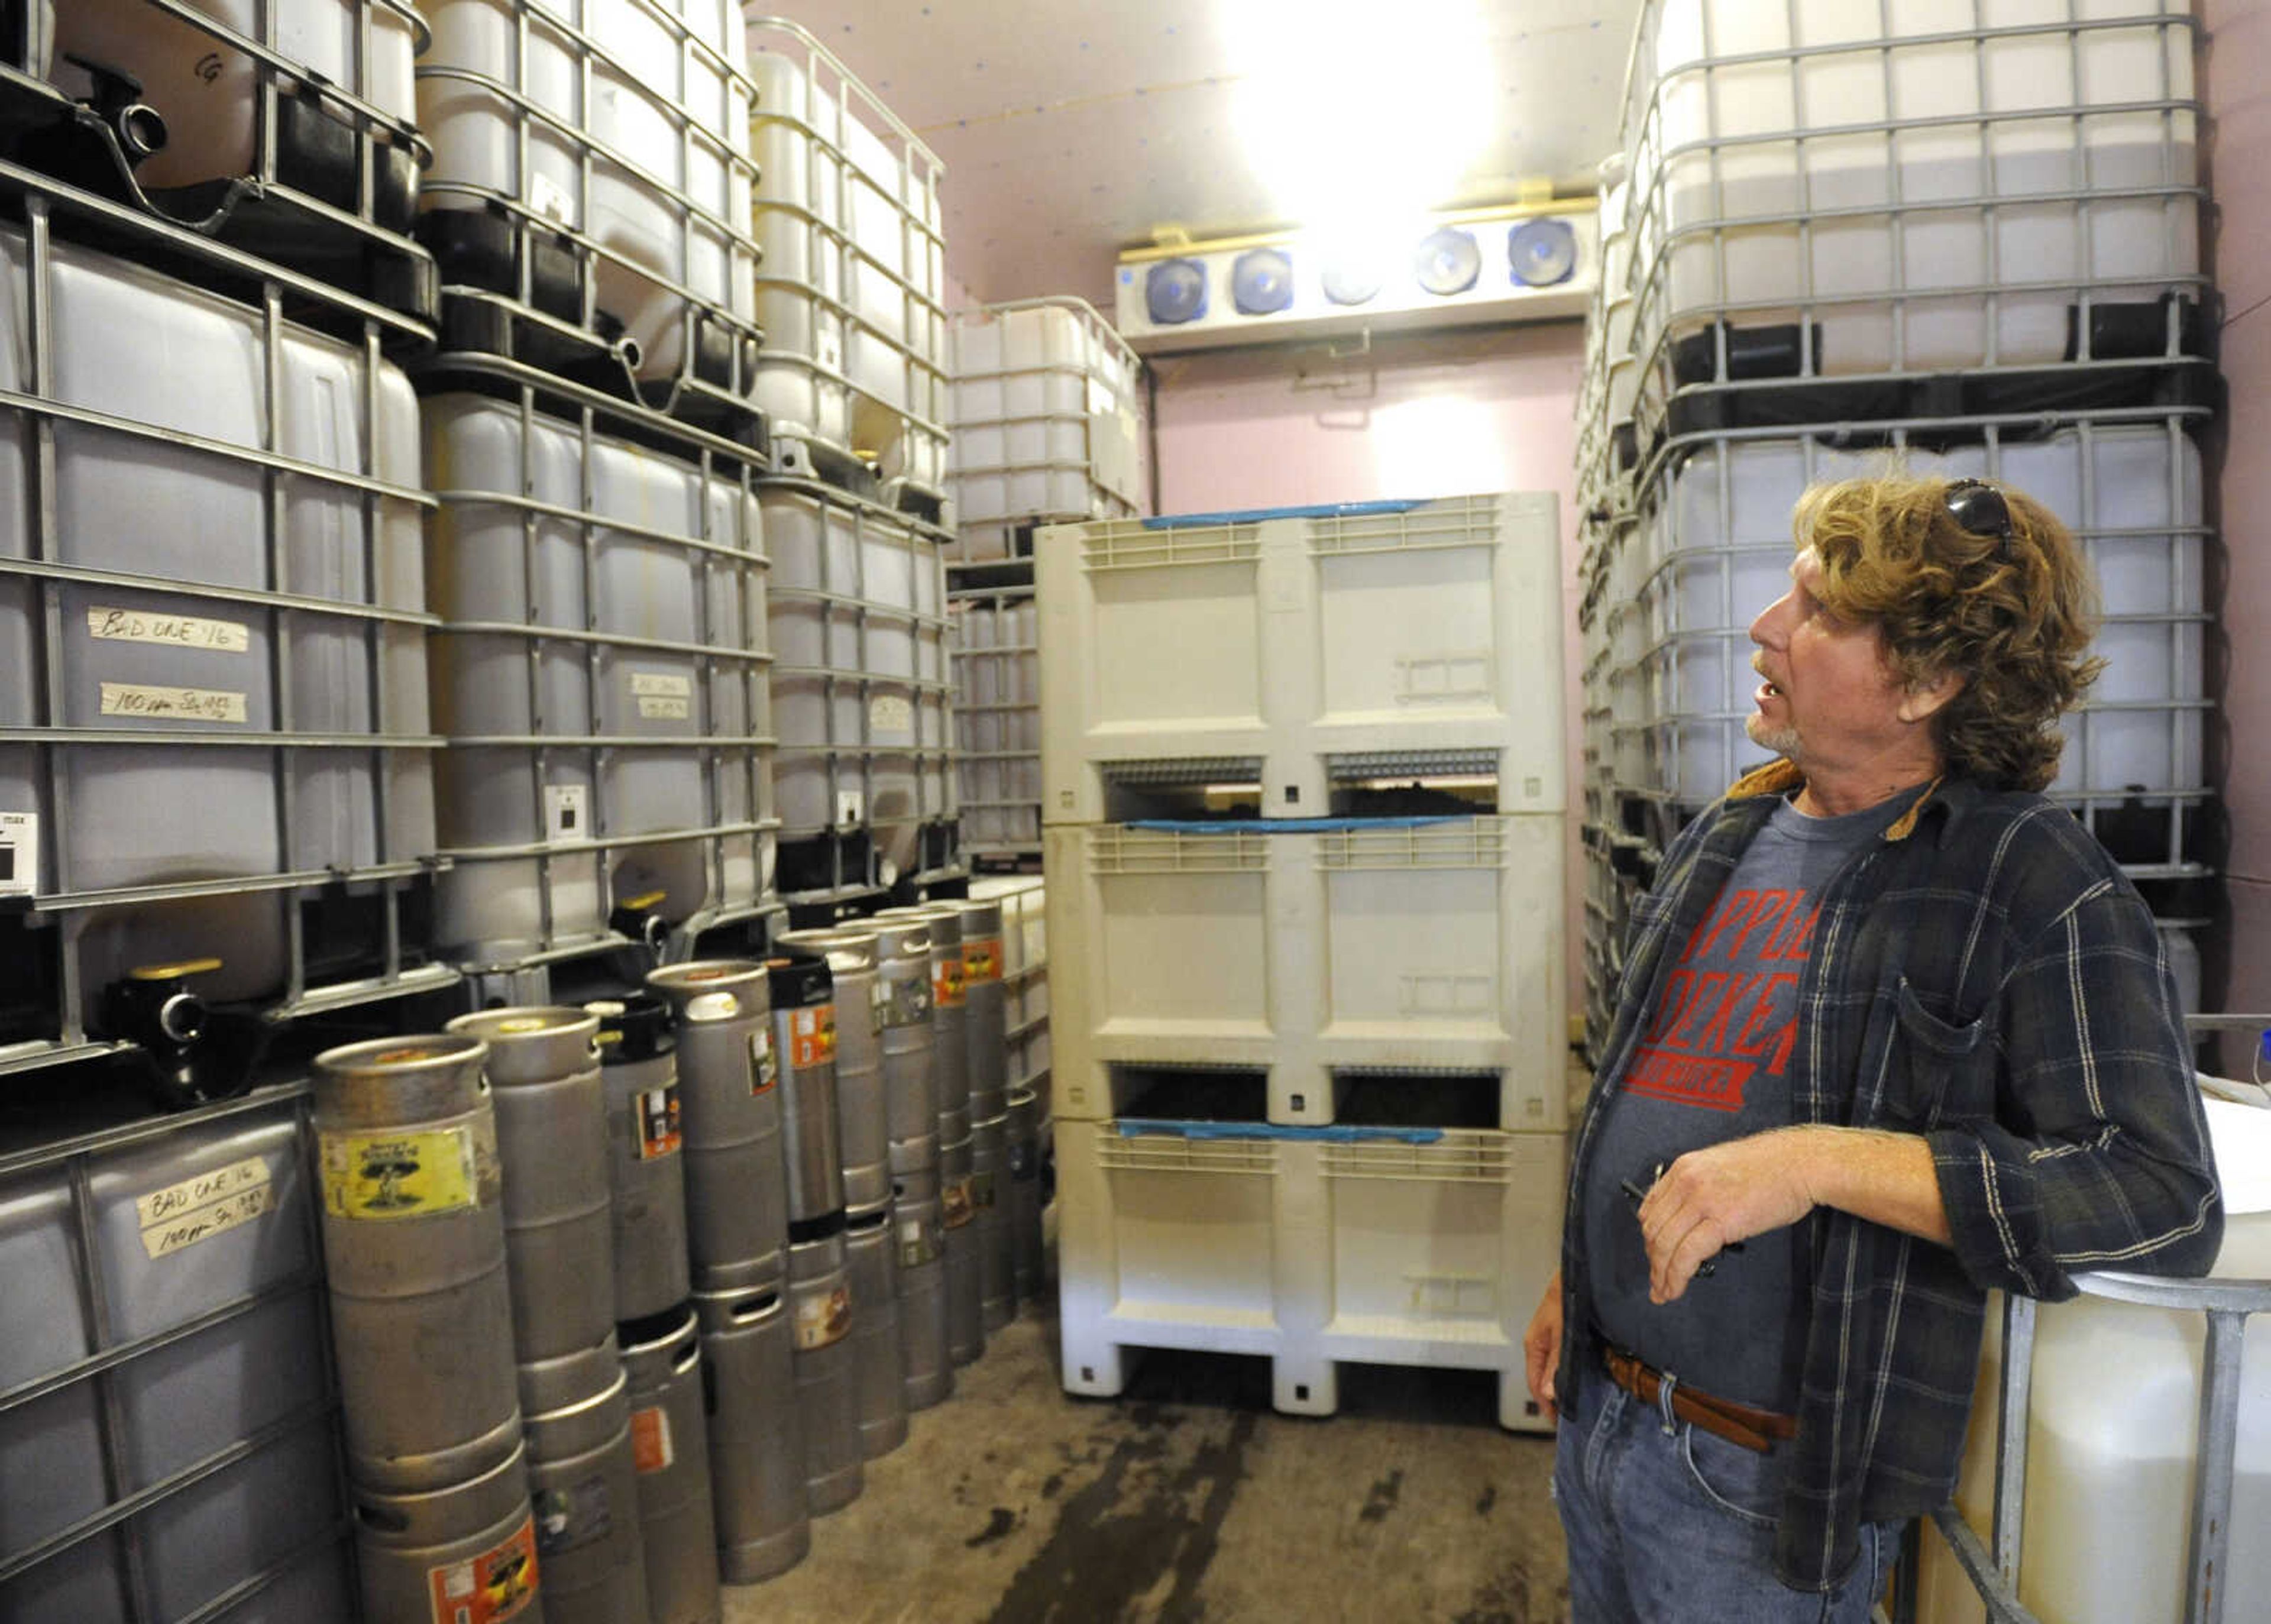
1046	415
1716	546
1433	947
997	723
1301	649
851	287
1422	1247
1935	186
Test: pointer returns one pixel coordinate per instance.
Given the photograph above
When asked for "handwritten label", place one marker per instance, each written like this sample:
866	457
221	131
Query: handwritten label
185	631
891	713
659	710
19	854
196	704
661	683
212	1204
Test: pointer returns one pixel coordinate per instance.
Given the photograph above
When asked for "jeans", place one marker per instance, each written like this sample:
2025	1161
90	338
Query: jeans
1671	1524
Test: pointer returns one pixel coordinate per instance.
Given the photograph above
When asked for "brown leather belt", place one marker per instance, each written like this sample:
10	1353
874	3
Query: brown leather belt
1722	1418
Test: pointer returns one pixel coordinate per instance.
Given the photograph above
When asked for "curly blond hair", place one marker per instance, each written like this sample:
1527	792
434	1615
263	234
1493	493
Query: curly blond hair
2015	620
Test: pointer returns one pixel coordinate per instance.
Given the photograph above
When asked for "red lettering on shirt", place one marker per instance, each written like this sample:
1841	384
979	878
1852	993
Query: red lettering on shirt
1715	1027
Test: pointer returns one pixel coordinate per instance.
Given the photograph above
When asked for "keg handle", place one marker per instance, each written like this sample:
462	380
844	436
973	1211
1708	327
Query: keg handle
686	1362
751	1307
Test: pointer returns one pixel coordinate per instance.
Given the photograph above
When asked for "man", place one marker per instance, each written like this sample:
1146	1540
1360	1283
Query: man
1893	1031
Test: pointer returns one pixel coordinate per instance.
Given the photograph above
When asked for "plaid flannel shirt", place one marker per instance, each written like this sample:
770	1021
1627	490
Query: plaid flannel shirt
1985	976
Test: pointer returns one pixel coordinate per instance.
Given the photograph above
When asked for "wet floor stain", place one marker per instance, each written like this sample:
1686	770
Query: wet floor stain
998	1526
1382	1499
1489	1499
1140	1525
1504	1598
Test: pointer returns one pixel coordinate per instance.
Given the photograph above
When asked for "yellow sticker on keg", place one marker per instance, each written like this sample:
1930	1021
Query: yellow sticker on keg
947	982
824	1319
193	705
212	1203
400	1175
178	631
981	960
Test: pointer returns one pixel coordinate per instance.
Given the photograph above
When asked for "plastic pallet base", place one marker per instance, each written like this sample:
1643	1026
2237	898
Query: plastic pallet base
501	377
2173	384
804	455
305	220
485	263
1299	1385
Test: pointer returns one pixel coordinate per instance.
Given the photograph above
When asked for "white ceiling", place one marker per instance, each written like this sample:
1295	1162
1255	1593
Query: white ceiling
1069	130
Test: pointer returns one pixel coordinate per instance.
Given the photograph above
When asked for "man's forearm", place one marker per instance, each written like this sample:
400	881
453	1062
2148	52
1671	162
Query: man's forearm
1887	1178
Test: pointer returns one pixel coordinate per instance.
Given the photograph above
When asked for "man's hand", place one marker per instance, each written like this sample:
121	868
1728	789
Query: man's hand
1711	1198
1541	1347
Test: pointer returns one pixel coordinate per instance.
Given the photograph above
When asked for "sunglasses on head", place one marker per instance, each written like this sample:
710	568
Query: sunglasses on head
1978	509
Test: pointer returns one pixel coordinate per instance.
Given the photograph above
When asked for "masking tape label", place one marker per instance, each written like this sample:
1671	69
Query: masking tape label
212	1204
19	854
196	704
184	631
891	713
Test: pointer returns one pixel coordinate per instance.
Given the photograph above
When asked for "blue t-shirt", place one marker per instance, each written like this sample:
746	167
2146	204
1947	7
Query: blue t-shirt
1712	1064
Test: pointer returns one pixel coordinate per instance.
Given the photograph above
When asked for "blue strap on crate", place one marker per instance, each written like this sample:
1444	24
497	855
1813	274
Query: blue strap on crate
1332	1132
1287	825
1255	515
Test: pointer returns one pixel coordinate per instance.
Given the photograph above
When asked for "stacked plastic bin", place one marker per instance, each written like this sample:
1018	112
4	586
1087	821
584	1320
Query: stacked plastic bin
211	602
1047	417
1847	231
1304	899
847	215
593	443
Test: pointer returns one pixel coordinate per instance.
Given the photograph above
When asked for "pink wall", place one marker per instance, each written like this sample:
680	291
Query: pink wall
1436	414
2238	88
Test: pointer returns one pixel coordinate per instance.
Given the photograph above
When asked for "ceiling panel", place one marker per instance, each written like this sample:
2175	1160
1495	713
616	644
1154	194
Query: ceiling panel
1069	130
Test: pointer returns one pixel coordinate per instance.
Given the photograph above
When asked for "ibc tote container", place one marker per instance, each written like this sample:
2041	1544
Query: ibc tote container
851	293
286	129
148	1269
219	602
1861	190
624	131
602	678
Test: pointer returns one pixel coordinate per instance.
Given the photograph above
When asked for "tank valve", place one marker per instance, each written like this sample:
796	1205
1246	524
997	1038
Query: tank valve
153	1009
635	917
117	100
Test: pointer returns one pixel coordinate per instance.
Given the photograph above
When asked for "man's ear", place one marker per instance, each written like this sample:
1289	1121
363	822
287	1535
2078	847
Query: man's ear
1924	698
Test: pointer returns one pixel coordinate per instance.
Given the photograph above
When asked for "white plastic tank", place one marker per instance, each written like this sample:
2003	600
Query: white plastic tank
141	655
605	681
1717	548
858	635
852	291
1952	153
2112	1435
208	89
655	97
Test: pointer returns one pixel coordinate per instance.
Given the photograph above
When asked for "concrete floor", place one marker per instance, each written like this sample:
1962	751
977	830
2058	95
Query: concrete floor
1187	1499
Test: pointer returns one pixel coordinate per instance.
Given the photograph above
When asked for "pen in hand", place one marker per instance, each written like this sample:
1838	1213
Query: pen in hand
1710	1265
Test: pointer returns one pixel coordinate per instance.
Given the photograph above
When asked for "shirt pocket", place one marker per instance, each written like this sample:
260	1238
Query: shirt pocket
1939	1069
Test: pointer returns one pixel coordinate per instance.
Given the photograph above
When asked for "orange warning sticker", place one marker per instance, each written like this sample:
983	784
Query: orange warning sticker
824	1319
947	981
981	960
489	1587
812	1035
654	1123
954	1197
650	1450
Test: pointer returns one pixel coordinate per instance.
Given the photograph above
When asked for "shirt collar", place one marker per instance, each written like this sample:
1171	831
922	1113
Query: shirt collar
1782	777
